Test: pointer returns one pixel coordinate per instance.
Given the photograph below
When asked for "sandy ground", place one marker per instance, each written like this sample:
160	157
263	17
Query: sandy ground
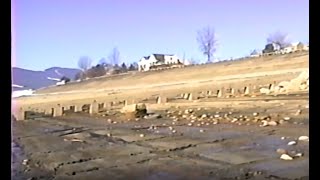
211	148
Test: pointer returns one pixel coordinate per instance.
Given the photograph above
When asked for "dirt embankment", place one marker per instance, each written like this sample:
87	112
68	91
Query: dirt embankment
218	71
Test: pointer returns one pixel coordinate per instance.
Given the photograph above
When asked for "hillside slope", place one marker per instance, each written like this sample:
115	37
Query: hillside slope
29	79
222	70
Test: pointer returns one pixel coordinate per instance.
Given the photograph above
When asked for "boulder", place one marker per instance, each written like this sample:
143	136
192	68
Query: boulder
265	91
139	110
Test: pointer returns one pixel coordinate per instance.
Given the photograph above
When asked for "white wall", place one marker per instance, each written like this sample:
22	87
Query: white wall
145	64
170	59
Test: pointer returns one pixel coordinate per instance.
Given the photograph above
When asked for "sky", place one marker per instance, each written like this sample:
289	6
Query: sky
56	33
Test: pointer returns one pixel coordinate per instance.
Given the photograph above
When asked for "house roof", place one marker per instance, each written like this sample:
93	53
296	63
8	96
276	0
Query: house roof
160	57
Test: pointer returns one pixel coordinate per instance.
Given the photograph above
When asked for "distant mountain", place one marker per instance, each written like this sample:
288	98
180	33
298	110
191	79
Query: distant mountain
23	79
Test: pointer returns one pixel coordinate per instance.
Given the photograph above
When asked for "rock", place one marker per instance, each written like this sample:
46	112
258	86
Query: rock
255	114
286	157
207	124
174	131
281	151
109	121
190	124
298	155
153	116
264	123
281	121
201	130
142	135
283	138
171	128
286	118
303	138
186	111
184	116
272	123
234	120
216	115
139	109
292	143
25	162
215	122
265	91
109	135
203	116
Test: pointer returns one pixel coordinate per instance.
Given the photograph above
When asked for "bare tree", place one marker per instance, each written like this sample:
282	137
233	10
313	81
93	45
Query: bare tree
114	56
84	63
279	38
207	42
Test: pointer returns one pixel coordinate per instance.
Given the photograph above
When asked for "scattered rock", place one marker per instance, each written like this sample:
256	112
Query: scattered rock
281	121
272	123
286	118
153	116
265	91
234	120
190	124
201	130
142	135
25	162
292	143
281	151
216	115
203	116
303	138
283	138
264	123
298	112
286	157
298	155
255	114
174	131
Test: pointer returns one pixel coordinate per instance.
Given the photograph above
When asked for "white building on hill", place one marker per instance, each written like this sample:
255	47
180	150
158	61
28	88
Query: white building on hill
146	63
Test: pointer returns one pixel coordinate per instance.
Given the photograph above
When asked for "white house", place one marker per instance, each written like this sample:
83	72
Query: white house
293	47
157	59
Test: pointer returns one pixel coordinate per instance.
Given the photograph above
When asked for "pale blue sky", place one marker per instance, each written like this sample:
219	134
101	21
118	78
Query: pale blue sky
51	33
